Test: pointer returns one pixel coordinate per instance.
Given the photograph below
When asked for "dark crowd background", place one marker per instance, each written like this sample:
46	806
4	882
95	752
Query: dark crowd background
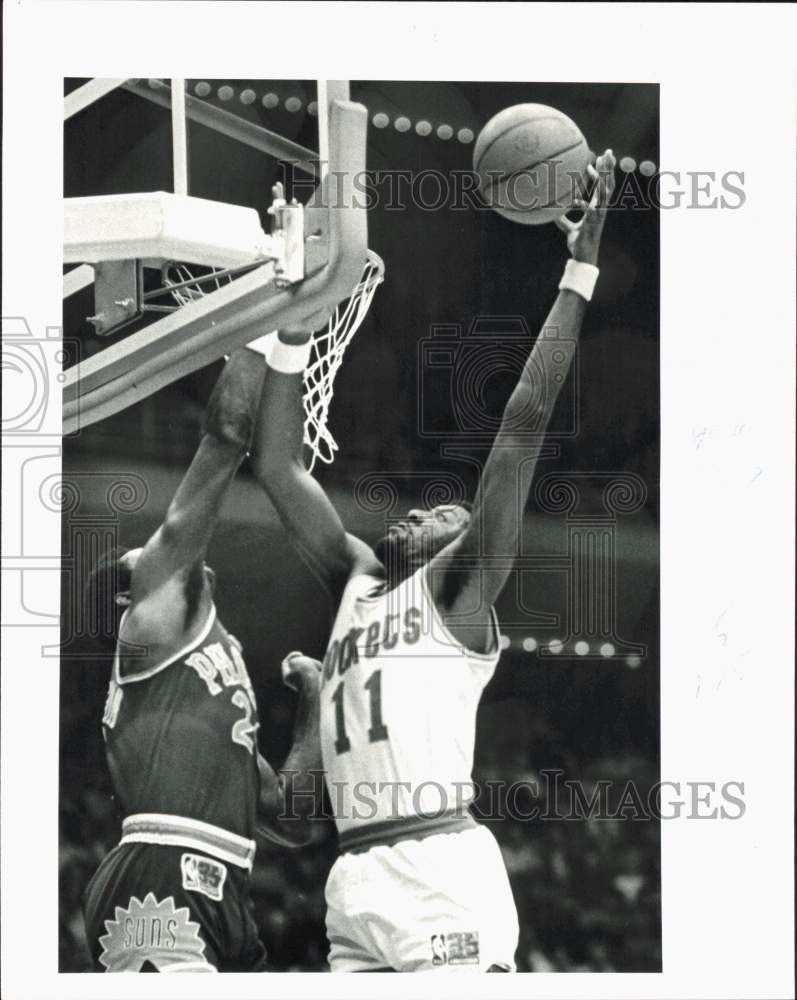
587	891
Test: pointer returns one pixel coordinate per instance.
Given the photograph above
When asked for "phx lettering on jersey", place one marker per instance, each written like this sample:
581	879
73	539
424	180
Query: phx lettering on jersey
213	665
367	642
220	666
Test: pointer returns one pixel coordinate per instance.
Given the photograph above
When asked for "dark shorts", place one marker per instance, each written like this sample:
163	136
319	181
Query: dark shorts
152	908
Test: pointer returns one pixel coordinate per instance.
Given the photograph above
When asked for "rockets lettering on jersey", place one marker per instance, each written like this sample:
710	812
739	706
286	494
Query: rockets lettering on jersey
398	705
381	634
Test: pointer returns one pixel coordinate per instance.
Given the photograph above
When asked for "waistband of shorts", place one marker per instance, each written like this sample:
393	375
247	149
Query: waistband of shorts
180	831
393	831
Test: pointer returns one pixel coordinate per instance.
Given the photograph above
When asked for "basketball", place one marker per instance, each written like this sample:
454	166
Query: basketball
528	159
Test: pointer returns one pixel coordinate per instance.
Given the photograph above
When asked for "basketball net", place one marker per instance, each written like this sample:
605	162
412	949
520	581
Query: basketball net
328	346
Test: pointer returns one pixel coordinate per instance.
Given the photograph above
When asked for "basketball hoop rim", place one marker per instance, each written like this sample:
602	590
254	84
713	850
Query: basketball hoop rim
373	258
373	269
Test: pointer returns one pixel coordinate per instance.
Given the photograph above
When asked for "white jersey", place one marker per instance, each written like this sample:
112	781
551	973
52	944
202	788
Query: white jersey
398	705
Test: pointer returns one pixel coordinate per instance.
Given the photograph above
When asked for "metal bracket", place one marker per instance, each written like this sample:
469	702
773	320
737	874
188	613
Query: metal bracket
287	237
118	295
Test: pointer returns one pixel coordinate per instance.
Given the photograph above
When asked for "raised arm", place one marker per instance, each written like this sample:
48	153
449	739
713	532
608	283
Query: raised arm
278	464
289	798
469	575
181	541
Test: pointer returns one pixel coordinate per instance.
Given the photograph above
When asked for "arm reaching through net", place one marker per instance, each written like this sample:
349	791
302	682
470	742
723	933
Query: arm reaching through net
278	463
180	543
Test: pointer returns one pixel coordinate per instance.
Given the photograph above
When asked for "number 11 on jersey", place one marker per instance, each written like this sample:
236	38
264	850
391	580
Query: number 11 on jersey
377	730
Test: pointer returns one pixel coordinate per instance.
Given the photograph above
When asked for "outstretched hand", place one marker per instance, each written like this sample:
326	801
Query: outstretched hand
584	236
299	670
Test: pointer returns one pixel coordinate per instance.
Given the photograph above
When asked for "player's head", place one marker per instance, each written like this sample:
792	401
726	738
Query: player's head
418	538
108	588
112	576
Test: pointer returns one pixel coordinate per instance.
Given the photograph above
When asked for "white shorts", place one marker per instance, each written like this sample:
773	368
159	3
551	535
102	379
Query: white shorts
441	903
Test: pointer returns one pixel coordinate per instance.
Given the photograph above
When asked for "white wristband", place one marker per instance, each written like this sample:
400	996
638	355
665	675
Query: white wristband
263	345
289	358
579	278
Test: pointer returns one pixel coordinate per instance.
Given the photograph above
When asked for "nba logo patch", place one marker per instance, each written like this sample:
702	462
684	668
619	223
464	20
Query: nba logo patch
203	875
463	948
455	948
439	952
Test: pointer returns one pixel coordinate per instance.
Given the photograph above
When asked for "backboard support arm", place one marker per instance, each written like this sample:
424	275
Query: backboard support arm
203	331
222	121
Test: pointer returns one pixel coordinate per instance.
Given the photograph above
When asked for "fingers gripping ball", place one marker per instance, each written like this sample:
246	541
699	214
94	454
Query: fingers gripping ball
531	160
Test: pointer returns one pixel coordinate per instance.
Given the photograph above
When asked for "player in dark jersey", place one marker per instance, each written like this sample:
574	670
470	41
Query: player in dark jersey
180	726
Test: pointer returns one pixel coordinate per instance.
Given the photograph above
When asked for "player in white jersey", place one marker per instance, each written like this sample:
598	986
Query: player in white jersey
419	884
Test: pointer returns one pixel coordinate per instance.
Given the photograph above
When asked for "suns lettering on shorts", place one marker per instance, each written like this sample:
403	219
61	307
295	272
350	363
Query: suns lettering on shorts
150	931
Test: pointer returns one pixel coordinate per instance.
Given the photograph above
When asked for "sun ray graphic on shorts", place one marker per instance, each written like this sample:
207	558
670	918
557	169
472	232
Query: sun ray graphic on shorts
151	931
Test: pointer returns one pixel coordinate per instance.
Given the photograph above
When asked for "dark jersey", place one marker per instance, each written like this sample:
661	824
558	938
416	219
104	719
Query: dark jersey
181	736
